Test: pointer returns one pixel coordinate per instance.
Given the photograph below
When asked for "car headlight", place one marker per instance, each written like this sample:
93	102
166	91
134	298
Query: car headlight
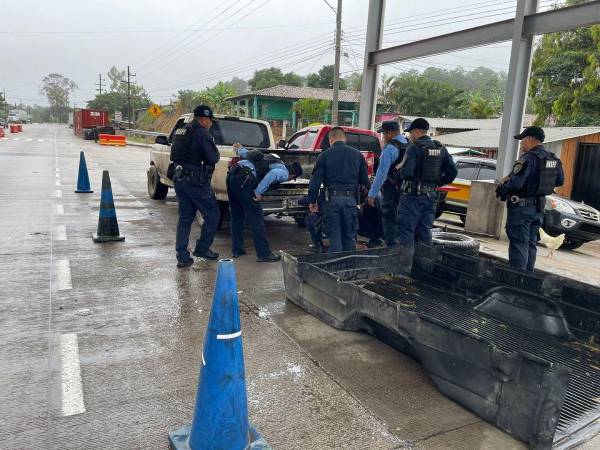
562	207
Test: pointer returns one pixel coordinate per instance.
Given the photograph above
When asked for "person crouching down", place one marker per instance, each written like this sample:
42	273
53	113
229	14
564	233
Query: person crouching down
247	181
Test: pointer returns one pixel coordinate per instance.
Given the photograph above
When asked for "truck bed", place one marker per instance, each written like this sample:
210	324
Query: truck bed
540	385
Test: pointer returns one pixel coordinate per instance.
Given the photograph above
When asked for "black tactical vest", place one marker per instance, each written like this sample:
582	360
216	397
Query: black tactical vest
429	165
262	162
394	167
543	181
181	147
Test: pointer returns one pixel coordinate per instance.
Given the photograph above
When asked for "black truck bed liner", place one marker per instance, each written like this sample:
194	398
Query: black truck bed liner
542	389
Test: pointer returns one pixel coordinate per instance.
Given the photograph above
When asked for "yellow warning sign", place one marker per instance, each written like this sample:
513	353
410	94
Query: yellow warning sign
154	111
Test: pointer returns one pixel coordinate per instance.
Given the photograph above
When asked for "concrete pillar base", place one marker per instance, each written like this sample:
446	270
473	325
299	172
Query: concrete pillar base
485	214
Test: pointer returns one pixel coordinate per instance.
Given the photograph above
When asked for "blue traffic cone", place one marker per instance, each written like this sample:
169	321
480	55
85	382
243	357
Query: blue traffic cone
108	227
221	412
83	180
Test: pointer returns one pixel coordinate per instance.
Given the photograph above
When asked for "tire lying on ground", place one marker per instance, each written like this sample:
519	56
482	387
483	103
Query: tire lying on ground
455	241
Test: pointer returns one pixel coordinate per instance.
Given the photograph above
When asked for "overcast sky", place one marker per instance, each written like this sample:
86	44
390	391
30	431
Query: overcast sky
193	43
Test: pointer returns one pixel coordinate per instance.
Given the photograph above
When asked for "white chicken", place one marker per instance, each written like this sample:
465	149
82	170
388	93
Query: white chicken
551	242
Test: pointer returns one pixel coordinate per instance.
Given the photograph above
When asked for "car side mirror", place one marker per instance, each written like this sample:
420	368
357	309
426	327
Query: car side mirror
162	140
282	143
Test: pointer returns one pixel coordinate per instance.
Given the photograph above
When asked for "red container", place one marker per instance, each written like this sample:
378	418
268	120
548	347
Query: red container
88	118
14	128
20	127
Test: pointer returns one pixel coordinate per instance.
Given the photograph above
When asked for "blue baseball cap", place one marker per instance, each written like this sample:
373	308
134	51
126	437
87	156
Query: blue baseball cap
389	125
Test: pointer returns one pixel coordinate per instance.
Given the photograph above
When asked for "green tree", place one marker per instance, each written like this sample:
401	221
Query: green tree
216	97
273	76
324	78
311	109
565	80
57	89
354	81
116	97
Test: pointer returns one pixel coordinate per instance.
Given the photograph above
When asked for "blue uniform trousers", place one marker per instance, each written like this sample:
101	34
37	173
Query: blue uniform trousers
416	214
390	197
522	227
195	194
314	225
243	207
340	216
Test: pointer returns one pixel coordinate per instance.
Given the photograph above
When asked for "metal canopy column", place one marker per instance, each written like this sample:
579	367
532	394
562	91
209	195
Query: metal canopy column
516	89
368	93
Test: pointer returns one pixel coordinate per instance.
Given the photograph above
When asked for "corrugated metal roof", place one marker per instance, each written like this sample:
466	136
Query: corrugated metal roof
491	138
468	124
298	92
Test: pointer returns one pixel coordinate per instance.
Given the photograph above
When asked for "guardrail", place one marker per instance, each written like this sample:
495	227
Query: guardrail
141	136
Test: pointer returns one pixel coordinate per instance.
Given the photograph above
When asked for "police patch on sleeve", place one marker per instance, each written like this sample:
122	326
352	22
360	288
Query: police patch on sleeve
517	167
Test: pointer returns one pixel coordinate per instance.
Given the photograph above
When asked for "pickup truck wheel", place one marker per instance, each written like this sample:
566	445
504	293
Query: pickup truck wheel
300	221
571	244
156	190
455	241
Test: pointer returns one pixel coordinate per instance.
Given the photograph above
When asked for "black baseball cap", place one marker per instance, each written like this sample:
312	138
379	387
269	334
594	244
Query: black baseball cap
418	124
295	169
535	132
204	111
389	125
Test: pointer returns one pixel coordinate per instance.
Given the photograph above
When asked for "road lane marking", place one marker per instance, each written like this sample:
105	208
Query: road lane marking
59	210
15	139
70	374
58	193
58	182
62	274
229	336
58	175
59	233
29	139
40	140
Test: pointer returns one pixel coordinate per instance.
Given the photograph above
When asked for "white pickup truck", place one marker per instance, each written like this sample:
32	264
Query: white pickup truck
280	199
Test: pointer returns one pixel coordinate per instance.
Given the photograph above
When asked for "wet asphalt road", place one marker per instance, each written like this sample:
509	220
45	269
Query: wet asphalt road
102	342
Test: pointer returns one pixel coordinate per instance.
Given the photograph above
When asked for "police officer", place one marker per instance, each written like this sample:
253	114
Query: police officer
247	181
342	170
425	166
535	174
194	155
386	179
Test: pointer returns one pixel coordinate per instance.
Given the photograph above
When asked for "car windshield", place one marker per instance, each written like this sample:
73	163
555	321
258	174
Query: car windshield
249	134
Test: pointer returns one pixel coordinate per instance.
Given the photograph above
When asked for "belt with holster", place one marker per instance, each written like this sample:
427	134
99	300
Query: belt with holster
411	187
205	172
244	176
331	192
515	200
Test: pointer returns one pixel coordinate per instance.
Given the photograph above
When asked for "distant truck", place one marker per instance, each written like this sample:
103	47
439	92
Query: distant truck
88	123
17	116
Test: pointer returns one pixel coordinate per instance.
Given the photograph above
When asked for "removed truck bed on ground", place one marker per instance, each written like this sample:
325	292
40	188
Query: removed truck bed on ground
520	350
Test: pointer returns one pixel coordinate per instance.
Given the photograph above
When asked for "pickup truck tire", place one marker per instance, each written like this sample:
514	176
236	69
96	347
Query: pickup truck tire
156	190
465	244
571	244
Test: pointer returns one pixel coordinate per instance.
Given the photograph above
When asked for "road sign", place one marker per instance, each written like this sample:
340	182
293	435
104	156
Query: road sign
118	116
154	111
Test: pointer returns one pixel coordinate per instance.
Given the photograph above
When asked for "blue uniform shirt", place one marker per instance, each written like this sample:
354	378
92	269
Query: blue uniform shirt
277	173
388	156
526	166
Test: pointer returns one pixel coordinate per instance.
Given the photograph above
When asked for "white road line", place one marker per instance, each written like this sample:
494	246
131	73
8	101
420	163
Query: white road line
70	374
58	175
58	193
58	182
59	233
40	140
60	210
15	139
62	275
29	139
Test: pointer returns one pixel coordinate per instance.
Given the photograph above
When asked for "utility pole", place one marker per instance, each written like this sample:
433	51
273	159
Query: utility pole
99	84
129	76
336	75
5	102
